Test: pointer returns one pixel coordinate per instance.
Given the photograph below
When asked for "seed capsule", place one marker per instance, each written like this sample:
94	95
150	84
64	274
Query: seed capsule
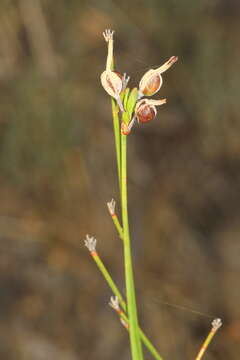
112	83
146	111
151	81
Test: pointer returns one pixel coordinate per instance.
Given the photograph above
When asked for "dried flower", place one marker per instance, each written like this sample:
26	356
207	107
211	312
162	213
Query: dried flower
111	207
90	242
151	81
112	83
146	111
216	324
111	80
114	303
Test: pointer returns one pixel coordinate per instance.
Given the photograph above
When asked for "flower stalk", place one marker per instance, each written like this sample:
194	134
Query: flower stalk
116	129
111	208
90	243
216	324
136	346
114	303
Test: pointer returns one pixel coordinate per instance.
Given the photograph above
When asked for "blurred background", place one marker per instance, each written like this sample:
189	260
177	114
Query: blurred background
57	171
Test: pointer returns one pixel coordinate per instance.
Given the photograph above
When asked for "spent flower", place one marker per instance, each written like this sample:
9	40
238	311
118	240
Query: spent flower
151	81
90	242
115	85
145	109
112	82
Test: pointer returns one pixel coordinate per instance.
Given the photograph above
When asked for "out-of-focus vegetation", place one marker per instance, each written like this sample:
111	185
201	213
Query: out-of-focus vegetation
57	172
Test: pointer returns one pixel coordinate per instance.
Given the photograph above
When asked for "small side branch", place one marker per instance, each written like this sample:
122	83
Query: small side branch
111	208
90	243
216	324
114	303
119	303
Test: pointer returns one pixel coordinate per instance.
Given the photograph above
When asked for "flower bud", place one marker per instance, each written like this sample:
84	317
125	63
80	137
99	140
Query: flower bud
151	81
125	130
112	83
146	111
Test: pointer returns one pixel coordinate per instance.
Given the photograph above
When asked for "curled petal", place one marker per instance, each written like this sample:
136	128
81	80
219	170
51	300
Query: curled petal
167	64
155	102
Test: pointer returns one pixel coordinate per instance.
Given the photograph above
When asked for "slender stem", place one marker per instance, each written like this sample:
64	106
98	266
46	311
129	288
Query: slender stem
122	302
143	337
118	226
116	128
149	345
111	208
216	324
136	346
108	278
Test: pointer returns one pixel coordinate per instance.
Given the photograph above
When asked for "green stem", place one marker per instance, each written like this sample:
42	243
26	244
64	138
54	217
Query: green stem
215	326
149	345
122	302
109	279
144	339
118	226
116	128
136	346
